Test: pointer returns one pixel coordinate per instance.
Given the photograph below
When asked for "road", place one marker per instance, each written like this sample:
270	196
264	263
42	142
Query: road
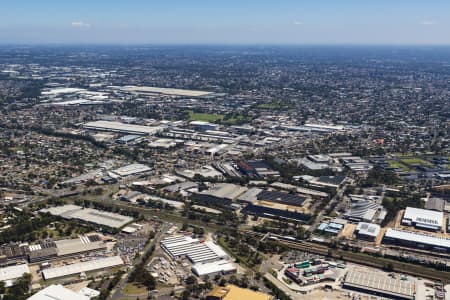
117	294
336	198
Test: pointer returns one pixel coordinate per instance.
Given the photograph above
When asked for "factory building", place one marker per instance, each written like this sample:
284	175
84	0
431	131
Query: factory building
88	215
57	292
9	274
379	284
423	218
367	231
416	240
82	267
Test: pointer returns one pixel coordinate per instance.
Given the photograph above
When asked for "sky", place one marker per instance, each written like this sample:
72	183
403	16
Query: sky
397	22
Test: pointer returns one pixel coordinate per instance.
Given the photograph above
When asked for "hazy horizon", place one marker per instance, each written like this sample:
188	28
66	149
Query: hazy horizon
324	22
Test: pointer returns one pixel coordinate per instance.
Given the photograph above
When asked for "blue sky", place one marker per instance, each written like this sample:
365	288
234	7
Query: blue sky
225	21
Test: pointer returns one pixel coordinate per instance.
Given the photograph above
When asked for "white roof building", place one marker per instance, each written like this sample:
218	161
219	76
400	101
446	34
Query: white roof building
193	249
213	268
13	272
77	268
90	215
423	218
131	170
418	238
57	292
368	230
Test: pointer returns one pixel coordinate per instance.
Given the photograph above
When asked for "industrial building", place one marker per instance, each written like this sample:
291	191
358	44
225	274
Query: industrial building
416	240
86	266
114	126
379	284
291	199
128	170
193	249
423	218
9	274
89	215
57	292
211	269
275	213
221	193
367	231
232	292
164	91
333	228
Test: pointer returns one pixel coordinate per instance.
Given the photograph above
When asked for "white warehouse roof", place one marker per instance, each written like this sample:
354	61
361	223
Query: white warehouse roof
213	268
193	249
123	127
97	264
418	238
423	217
57	292
131	169
368	229
13	272
91	215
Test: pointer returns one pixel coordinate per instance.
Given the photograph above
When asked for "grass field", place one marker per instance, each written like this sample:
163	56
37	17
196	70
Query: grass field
416	161
193	116
133	289
207	117
397	165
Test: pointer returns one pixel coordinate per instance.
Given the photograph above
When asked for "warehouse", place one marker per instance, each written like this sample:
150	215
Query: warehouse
79	245
196	252
280	197
131	169
379	284
123	127
165	91
57	292
416	240
89	215
275	213
214	268
423	218
221	193
8	274
87	266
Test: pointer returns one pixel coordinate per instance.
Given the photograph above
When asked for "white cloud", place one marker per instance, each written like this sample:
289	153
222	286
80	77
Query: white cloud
298	23
428	23
80	24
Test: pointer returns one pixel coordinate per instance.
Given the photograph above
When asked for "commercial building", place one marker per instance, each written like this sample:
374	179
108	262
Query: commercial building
379	284
57	292
232	292
367	231
423	218
86	266
416	240
8	274
89	215
114	126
